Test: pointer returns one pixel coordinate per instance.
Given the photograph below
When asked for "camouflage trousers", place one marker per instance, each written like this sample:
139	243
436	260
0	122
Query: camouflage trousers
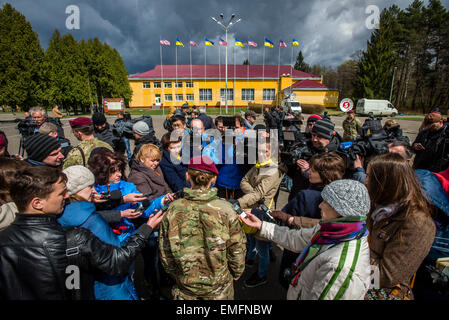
225	292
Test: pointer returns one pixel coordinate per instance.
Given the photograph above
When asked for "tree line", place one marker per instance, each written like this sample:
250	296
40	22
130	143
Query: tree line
408	53
74	75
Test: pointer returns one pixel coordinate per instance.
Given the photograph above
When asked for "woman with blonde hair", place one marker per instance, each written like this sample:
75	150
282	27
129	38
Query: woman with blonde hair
146	173
400	224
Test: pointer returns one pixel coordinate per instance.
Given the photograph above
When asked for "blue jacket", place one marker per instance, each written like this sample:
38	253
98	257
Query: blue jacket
174	174
435	193
305	204
125	227
106	287
229	174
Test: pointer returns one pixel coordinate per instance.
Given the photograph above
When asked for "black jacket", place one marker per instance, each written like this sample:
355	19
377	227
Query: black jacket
148	139
435	157
108	136
33	258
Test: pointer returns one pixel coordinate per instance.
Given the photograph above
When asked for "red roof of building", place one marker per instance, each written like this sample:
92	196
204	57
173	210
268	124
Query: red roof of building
308	84
216	71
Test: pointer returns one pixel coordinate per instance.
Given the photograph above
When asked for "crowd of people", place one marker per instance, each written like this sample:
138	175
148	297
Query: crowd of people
199	204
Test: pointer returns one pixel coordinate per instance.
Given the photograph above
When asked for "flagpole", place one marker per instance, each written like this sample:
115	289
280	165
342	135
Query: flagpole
247	69
162	83
279	66
263	74
176	72
219	74
205	79
233	96
191	77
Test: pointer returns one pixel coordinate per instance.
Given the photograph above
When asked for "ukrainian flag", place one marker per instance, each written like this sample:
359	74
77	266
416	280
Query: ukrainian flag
295	43
179	43
239	43
209	43
269	43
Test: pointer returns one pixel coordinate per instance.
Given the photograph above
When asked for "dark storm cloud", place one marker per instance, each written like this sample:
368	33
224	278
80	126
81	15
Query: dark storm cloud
329	31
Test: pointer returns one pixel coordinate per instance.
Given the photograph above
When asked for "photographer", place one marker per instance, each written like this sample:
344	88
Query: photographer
119	122
324	139
40	116
103	132
431	145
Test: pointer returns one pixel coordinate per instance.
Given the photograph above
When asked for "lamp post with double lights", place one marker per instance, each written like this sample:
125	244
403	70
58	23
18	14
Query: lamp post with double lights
226	27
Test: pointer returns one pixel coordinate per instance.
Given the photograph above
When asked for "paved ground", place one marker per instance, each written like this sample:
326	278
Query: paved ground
273	290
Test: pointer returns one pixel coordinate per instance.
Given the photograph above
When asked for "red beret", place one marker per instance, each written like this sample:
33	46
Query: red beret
2	142
80	122
204	164
351	111
314	117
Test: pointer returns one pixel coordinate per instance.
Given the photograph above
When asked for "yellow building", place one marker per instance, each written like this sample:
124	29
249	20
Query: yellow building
202	85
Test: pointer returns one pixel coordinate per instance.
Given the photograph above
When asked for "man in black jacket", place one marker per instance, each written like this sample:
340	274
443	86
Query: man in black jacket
103	132
324	139
432	144
40	260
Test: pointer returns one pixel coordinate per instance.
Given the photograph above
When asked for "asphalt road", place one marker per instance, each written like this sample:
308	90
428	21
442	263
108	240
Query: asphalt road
270	291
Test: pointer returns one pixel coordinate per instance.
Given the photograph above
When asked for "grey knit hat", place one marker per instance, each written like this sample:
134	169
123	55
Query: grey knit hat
78	178
141	128
349	198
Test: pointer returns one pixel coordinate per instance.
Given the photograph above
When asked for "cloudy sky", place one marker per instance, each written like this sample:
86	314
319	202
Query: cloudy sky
329	31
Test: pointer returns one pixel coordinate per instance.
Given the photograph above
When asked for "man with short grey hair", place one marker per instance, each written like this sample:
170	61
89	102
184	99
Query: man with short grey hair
40	116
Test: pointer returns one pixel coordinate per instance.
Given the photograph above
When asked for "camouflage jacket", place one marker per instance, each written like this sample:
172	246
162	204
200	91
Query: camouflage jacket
351	128
75	158
202	245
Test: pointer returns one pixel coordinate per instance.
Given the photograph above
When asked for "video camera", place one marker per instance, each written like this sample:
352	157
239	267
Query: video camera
295	147
26	127
372	141
125	128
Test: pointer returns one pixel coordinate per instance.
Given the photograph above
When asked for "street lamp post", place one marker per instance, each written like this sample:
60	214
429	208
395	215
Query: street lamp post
226	27
392	83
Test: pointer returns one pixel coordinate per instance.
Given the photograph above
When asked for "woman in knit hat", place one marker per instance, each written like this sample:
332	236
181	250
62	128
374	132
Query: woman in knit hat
334	261
81	212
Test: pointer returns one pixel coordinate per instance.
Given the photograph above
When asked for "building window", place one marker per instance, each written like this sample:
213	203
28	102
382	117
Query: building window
179	97
189	84
205	94
168	97
247	94
167	85
190	97
146	85
230	94
269	94
156	84
178	84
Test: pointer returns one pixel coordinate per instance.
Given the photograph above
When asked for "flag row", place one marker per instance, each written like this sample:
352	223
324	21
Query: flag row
237	42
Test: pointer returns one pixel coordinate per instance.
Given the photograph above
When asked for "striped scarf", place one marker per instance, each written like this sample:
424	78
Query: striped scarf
331	232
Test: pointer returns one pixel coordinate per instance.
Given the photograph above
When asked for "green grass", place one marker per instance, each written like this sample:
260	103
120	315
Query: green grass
210	111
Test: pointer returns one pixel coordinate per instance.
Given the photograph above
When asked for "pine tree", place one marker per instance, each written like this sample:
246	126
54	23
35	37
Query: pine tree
300	64
375	70
246	62
21	57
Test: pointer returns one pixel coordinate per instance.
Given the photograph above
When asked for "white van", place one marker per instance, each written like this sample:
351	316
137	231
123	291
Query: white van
368	107
294	106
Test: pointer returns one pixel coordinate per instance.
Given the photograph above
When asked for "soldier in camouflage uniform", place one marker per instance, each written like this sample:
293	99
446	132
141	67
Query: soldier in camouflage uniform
83	129
351	126
201	240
